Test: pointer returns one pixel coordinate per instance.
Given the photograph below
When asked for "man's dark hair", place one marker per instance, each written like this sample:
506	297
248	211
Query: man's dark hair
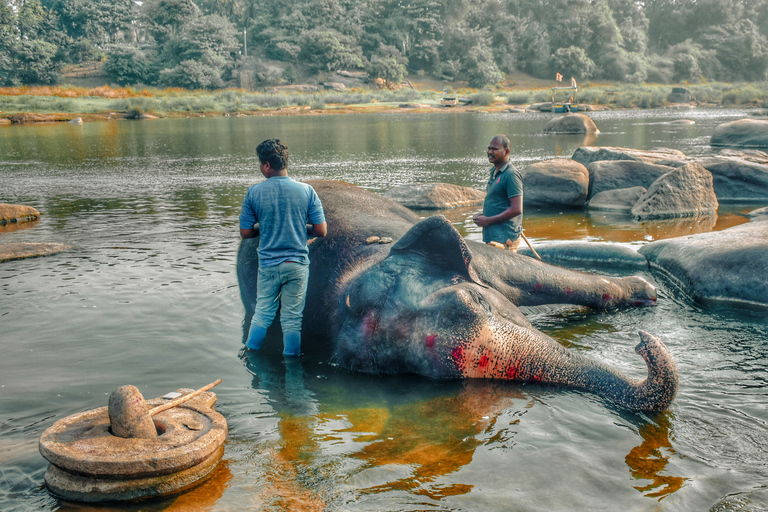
275	152
505	143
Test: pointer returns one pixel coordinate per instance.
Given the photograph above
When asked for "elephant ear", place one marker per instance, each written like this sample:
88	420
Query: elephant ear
437	241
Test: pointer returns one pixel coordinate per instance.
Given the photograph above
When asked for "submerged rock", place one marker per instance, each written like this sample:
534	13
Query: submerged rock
435	196
571	123
17	213
20	250
748	133
683	192
721	267
618	199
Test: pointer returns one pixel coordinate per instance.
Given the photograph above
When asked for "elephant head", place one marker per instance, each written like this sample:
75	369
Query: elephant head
423	310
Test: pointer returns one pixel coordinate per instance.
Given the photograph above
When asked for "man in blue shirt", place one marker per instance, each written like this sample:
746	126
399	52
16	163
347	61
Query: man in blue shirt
283	207
502	217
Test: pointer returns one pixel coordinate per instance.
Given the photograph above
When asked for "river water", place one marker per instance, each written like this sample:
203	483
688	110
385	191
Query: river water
147	295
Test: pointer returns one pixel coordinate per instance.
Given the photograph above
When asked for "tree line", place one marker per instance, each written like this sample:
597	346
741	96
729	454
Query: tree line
205	43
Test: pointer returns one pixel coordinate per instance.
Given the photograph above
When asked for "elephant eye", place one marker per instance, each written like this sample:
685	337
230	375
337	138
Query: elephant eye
478	298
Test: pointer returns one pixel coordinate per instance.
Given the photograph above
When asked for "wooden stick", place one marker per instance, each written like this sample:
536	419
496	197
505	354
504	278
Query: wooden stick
182	399
529	245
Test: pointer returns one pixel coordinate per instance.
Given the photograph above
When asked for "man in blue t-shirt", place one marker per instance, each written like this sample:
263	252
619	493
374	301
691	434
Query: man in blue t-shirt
502	217
283	207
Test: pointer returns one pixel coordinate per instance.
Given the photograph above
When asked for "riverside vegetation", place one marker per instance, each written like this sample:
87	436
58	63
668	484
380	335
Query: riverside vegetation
67	102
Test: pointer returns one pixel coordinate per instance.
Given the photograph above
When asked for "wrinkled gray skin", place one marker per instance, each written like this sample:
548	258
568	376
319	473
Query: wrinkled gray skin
436	305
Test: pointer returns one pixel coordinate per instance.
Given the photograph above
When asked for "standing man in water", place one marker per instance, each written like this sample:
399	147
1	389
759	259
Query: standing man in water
283	208
502	217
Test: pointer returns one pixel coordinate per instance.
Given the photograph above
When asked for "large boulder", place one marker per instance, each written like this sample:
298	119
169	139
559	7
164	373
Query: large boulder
683	192
721	267
435	196
558	182
679	95
621	199
571	123
588	154
613	174
737	179
17	213
746	133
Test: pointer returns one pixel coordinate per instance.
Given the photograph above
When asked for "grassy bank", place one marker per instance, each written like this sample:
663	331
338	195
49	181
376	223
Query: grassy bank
104	101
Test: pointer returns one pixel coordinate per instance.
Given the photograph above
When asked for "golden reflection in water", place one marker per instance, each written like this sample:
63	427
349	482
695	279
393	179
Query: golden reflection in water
543	224
648	461
571	329
17	226
284	489
203	496
435	437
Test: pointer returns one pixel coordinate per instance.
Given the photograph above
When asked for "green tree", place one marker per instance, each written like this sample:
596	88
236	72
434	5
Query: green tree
575	62
388	64
34	62
164	18
202	47
192	74
480	68
741	50
324	49
127	65
8	35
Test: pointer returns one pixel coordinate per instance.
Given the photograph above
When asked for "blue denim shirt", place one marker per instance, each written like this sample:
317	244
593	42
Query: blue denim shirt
282	206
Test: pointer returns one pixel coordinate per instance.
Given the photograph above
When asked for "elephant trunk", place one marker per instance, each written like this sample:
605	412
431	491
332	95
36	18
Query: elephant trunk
534	357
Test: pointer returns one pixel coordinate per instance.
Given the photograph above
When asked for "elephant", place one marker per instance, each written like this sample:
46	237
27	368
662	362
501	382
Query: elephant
434	304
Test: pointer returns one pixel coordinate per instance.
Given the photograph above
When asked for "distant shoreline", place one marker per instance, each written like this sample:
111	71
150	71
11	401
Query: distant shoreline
67	103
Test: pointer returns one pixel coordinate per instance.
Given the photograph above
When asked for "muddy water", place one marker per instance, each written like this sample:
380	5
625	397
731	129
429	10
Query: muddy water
148	296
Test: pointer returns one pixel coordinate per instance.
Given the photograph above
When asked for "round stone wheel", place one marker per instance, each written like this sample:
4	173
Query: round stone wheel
88	489
87	460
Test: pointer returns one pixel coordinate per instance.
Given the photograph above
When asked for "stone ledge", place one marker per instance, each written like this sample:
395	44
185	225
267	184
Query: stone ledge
20	250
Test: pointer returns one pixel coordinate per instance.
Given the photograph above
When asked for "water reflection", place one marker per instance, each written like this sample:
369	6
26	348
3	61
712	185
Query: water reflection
565	145
203	496
649	460
10	227
402	440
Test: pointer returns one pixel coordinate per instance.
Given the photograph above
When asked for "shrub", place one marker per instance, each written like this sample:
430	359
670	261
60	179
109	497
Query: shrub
519	97
483	98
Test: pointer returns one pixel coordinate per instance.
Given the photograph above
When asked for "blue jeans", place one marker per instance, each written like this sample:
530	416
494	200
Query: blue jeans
286	281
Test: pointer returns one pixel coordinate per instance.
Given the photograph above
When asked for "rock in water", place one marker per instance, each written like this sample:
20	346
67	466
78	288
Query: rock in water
129	414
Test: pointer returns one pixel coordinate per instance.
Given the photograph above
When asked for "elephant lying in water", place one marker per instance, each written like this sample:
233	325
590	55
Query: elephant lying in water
439	306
